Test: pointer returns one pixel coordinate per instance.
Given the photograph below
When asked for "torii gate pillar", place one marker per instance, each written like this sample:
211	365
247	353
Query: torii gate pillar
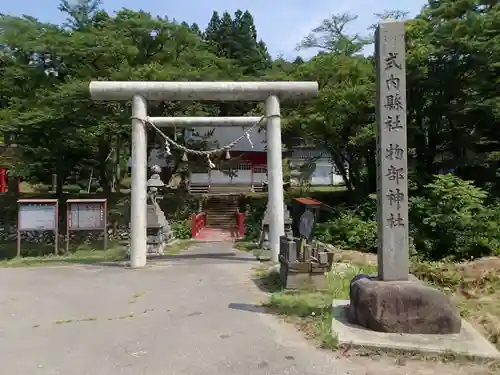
276	197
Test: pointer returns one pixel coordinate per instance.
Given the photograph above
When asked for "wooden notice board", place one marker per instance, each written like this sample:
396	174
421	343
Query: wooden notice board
86	215
37	215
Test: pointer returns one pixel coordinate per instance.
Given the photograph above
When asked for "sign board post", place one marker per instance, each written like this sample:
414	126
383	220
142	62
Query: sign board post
86	215
38	215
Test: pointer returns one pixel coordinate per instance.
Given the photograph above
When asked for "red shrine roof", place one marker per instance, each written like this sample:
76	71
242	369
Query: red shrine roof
309	201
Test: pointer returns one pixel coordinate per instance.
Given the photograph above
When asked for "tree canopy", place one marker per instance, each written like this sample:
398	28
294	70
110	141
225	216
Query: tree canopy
453	66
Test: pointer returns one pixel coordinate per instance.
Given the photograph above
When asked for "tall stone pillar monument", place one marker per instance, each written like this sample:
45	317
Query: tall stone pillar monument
390	302
392	168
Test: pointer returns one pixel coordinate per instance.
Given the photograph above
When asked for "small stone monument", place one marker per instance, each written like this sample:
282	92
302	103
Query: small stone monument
300	263
159	233
306	224
392	302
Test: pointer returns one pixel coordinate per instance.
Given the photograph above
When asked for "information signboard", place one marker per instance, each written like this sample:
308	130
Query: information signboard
87	215
37	215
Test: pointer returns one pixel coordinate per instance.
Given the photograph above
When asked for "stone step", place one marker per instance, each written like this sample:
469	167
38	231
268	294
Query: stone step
231	186
221	219
214	219
227	218
222	207
221	198
221	210
217	202
221	202
228	190
198	189
222	226
225	210
224	190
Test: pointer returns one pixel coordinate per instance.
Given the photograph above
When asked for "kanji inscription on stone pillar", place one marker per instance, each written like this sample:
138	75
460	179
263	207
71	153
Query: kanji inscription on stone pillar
392	169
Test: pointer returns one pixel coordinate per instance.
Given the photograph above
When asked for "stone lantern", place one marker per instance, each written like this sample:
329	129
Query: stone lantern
159	233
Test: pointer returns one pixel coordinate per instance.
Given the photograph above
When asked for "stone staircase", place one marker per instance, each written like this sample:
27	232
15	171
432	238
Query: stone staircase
221	212
230	189
223	189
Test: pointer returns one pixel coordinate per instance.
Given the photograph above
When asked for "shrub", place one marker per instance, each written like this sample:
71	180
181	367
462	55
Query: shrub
126	182
349	231
72	189
368	209
253	220
181	229
451	220
354	228
41	188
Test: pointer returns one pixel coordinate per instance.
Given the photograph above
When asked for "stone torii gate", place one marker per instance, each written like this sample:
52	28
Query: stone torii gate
142	91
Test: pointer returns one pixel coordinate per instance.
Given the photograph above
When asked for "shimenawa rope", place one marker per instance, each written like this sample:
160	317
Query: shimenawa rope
169	141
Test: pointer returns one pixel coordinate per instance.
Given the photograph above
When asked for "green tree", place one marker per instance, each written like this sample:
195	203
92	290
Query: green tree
342	119
247	50
452	63
80	14
44	86
236	38
331	36
212	30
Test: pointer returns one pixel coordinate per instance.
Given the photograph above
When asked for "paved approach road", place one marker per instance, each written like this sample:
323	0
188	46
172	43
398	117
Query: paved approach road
190	315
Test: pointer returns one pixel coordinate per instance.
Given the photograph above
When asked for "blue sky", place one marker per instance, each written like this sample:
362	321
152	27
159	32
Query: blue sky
280	23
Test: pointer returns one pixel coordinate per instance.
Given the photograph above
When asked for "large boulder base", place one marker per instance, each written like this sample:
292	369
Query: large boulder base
401	307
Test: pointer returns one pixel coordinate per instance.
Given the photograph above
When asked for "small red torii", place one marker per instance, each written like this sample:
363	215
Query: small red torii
4	183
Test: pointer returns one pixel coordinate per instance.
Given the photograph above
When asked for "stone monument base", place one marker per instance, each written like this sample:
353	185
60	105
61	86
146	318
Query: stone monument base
468	342
401	307
303	275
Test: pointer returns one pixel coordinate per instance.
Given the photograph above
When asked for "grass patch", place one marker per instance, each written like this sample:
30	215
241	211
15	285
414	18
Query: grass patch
259	253
473	287
179	246
85	254
310	310
63	321
328	189
136	296
245	246
268	280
